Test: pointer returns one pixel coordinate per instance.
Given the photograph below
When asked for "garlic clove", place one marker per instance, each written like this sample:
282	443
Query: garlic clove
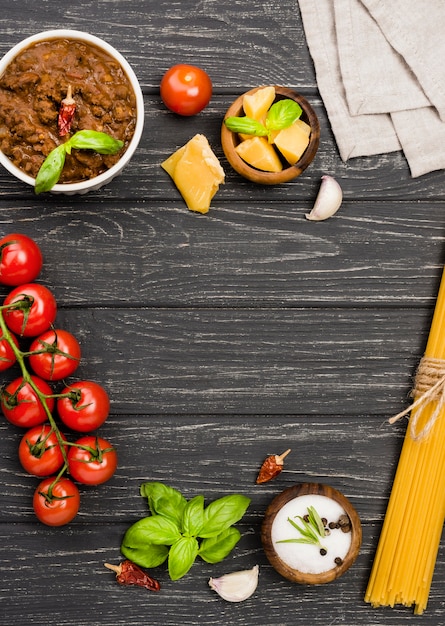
328	200
237	586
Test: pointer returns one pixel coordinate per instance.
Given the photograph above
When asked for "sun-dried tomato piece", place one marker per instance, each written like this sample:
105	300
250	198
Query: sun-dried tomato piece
271	467
128	573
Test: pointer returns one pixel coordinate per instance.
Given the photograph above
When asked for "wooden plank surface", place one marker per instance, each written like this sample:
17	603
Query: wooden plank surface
222	338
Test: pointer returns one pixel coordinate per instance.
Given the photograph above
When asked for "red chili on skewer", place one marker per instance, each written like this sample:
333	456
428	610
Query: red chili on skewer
271	467
128	573
66	113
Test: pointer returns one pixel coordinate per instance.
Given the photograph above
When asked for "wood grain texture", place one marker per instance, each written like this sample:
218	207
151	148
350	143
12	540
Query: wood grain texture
252	254
222	338
256	361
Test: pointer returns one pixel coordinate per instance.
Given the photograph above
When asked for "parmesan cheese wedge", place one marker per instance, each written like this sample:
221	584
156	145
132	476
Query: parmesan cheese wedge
196	172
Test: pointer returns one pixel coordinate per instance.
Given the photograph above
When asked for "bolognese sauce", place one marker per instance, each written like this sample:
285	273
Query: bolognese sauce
31	91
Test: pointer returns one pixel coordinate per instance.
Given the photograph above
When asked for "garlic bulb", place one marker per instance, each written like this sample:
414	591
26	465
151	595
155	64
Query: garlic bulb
328	200
237	586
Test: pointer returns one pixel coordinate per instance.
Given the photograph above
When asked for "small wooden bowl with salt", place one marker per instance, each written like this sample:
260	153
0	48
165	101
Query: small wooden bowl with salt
297	547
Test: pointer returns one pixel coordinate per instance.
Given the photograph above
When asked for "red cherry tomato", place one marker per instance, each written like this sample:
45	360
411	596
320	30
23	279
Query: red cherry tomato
186	89
56	505
20	259
21	405
37	316
7	356
86	408
59	354
93	466
39	451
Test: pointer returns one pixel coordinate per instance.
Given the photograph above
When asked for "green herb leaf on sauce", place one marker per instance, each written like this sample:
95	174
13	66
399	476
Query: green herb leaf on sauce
52	167
95	140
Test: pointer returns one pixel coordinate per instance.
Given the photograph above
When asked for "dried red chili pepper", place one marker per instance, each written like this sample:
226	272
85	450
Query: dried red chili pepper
271	467
66	113
128	573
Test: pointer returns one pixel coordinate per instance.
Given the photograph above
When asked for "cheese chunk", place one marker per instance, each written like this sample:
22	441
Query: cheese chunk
303	126
196	172
259	153
292	141
256	105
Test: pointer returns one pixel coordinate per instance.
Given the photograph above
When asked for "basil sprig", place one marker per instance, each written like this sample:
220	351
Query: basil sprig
281	114
51	168
179	530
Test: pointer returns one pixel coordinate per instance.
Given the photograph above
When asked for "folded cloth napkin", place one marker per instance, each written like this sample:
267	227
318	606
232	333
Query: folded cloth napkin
380	67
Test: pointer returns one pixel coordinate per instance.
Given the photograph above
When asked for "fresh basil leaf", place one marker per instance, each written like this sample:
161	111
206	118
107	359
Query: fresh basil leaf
245	125
155	529
193	516
95	140
51	169
146	555
215	549
283	114
181	557
222	513
164	500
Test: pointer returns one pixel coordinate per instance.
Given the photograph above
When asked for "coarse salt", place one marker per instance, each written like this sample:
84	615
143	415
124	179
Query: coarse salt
306	558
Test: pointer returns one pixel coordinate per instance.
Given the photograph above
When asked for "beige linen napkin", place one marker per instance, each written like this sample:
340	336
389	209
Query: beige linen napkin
380	67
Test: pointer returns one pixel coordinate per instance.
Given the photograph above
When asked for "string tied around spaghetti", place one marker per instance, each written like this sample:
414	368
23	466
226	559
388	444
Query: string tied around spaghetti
429	385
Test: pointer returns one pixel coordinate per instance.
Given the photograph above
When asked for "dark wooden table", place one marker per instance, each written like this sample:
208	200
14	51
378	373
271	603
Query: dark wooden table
222	338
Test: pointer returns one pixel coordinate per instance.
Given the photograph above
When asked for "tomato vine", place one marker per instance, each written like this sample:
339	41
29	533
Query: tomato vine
29	401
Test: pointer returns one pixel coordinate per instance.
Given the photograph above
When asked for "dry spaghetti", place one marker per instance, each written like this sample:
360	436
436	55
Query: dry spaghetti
404	562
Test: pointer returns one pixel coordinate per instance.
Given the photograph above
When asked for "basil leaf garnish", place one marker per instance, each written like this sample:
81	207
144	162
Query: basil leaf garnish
164	500
146	555
180	530
95	140
193	516
215	549
181	557
222	513
245	125
51	169
283	114
155	529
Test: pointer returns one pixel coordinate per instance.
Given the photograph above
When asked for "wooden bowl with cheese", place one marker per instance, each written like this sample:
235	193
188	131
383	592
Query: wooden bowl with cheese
282	155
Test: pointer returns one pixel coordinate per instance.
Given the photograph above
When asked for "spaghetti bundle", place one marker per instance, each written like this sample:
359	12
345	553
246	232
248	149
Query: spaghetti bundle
404	563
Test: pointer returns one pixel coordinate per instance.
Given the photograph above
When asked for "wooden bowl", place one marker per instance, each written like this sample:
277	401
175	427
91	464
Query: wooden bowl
281	566
230	140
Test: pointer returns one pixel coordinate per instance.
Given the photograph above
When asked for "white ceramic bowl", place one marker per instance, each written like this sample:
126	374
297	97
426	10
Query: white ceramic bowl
104	178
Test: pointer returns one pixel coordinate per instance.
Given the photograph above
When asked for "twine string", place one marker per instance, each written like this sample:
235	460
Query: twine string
429	386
